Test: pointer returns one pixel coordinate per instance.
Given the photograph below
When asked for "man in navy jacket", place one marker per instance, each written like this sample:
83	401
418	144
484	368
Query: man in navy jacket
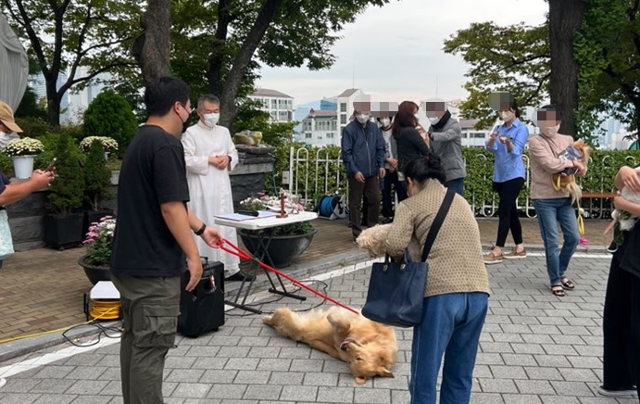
363	156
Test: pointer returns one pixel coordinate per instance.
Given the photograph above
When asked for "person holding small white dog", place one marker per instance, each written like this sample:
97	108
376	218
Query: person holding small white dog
457	289
621	319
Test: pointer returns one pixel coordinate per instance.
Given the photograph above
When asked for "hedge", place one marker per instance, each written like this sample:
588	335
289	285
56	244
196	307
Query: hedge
478	185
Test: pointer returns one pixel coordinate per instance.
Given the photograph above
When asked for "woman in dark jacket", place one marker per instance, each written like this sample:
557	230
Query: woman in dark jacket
410	145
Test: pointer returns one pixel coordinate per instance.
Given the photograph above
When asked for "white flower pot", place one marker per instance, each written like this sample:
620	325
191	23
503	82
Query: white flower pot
23	166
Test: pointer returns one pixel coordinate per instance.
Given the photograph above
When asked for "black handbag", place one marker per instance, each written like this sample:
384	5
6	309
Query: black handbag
396	289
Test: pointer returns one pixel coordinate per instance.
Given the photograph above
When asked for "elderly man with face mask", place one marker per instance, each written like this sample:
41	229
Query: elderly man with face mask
553	206
210	156
363	153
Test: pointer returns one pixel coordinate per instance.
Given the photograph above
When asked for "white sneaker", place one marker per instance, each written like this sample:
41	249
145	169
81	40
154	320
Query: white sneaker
617	393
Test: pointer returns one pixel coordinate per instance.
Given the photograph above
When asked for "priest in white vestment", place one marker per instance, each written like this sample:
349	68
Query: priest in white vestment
210	155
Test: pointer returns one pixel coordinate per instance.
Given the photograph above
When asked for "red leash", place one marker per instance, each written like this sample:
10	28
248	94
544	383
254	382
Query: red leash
227	246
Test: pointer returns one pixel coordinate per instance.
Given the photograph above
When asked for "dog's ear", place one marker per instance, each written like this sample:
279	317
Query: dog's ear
384	372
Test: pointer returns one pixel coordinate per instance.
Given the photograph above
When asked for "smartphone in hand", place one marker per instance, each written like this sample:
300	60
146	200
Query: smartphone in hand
52	165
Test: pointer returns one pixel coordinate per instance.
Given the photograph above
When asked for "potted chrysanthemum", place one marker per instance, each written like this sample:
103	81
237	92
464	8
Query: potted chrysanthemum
109	144
98	243
23	151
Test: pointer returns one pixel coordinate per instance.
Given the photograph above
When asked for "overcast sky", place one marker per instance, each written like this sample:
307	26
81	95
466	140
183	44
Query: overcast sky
396	51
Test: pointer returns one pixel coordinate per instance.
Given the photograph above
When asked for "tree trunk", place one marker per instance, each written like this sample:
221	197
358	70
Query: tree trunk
214	73
228	109
152	49
53	101
565	19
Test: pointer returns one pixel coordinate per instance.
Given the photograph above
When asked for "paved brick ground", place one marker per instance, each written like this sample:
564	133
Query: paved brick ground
535	348
41	290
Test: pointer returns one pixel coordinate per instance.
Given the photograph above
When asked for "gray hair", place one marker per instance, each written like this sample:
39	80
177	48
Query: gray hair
208	98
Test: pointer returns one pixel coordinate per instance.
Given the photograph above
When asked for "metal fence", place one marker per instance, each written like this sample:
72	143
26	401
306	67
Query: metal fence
314	173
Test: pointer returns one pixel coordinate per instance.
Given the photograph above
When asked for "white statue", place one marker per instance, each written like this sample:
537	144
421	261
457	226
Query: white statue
14	66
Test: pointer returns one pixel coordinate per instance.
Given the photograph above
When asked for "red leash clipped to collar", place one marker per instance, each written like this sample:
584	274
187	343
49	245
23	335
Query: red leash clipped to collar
226	246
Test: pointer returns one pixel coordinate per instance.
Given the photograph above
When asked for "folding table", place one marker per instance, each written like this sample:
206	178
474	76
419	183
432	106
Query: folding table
262	253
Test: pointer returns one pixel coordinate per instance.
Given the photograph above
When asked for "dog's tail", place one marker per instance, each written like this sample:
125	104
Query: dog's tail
574	191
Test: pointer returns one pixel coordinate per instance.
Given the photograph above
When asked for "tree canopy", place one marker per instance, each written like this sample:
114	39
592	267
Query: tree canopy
517	59
66	35
513	58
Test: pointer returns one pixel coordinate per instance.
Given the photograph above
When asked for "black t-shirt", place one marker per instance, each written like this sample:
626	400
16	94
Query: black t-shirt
629	253
153	172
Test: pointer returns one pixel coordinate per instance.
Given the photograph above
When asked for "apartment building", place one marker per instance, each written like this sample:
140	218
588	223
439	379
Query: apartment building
278	105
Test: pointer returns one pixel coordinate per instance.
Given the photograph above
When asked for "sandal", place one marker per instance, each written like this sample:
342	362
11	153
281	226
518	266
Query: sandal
566	282
557	290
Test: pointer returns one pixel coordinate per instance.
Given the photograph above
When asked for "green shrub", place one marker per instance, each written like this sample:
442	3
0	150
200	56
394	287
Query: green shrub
97	177
478	184
50	142
110	115
67	191
326	174
33	127
75	131
6	165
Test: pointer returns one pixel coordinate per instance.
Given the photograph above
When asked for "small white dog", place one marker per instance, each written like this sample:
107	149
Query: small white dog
373	239
623	221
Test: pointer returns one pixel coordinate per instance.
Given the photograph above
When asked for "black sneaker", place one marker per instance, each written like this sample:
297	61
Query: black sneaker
613	247
387	220
239	277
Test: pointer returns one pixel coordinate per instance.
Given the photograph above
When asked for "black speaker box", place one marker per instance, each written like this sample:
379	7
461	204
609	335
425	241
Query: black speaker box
202	310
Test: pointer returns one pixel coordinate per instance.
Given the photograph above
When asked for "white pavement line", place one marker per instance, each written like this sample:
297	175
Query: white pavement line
576	255
65	353
45	359
322	277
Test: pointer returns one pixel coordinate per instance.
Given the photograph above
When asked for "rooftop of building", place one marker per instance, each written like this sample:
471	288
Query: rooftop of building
349	92
266	92
322	114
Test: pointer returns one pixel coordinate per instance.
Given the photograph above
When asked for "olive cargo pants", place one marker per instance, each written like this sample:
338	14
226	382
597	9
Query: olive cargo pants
150	309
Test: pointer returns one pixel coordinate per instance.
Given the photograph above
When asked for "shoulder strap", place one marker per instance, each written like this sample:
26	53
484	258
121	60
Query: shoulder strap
437	223
551	144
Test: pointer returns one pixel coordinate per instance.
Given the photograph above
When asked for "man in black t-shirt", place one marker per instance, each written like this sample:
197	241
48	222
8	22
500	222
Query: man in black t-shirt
151	239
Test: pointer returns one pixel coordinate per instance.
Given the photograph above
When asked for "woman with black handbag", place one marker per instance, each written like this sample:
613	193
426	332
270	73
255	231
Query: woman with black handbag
457	286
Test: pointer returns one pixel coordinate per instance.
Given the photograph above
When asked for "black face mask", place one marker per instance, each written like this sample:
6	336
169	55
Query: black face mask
185	124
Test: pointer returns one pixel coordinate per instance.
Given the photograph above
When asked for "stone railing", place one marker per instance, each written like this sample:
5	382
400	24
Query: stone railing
248	178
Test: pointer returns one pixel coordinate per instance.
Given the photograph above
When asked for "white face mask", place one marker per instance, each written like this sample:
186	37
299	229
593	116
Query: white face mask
417	116
385	122
549	131
506	116
362	118
434	120
211	119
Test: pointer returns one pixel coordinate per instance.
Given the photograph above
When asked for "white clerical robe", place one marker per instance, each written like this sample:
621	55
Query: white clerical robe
210	187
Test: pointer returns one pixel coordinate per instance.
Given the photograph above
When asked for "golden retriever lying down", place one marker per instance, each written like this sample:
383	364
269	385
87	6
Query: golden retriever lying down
369	348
